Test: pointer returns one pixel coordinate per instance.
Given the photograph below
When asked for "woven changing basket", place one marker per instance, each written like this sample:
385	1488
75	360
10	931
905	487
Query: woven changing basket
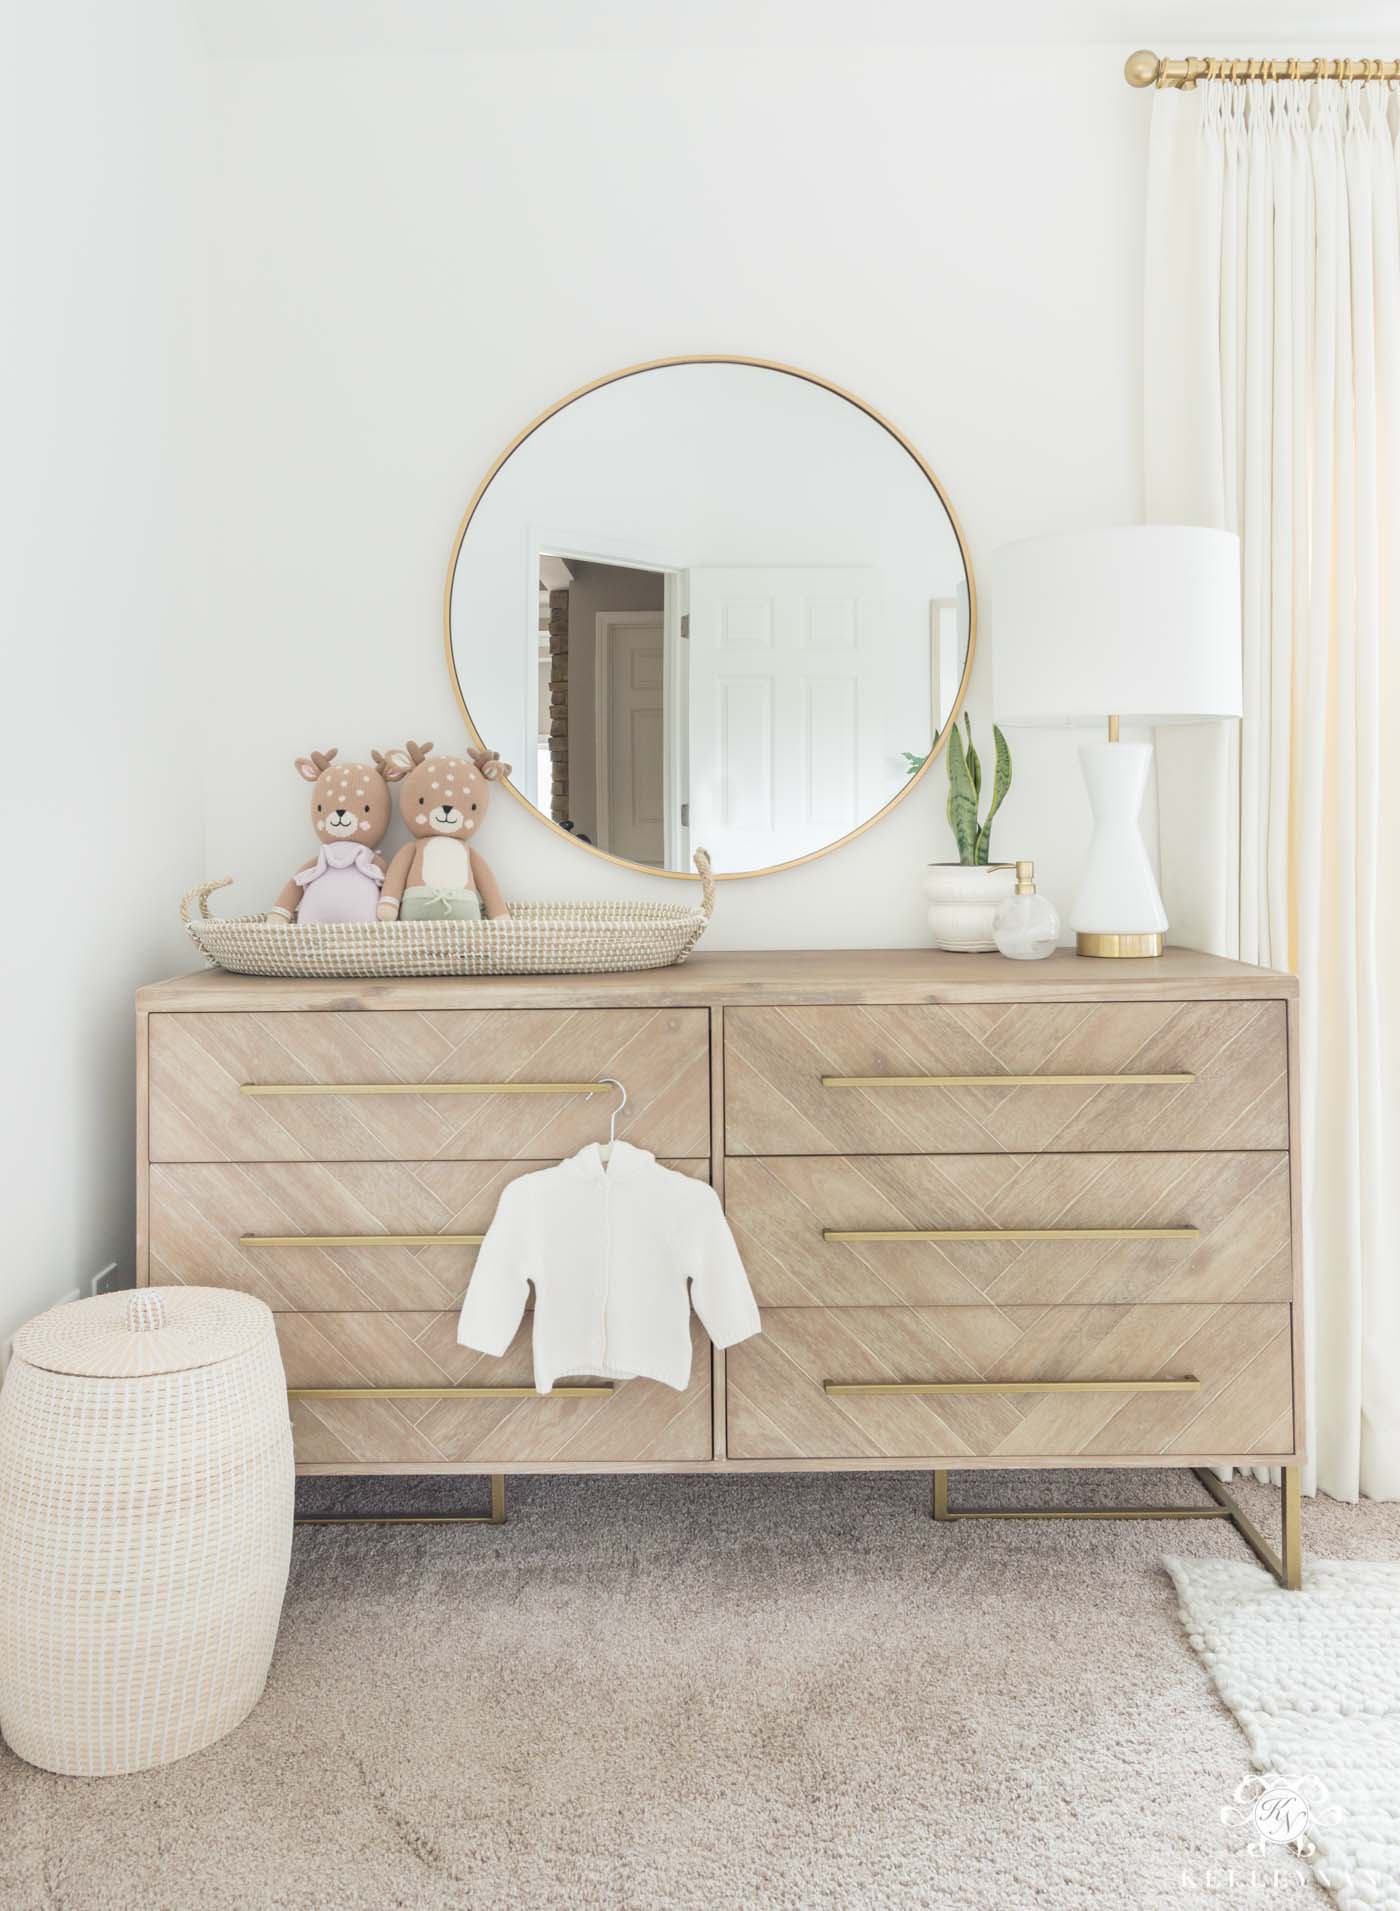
146	1488
541	938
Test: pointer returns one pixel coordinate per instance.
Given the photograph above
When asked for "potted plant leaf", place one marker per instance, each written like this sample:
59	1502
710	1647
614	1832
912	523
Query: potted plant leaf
963	896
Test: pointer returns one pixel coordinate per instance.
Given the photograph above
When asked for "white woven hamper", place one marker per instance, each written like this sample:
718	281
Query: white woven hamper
146	1489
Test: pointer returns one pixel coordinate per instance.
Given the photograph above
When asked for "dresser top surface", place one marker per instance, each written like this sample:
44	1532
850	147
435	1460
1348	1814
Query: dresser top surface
744	977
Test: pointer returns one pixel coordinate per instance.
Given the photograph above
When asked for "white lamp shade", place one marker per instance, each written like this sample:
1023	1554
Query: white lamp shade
1140	622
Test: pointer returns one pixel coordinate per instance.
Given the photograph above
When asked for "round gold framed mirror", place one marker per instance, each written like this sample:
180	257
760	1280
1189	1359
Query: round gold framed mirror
710	602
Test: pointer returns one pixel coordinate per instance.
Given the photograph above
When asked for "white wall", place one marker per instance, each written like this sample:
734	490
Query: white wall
415	254
102	823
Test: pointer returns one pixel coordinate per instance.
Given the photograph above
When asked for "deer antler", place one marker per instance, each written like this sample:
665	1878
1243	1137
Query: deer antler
308	768
417	752
490	765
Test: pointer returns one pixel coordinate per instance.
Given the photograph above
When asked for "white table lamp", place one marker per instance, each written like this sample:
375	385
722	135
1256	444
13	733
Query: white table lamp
1140	625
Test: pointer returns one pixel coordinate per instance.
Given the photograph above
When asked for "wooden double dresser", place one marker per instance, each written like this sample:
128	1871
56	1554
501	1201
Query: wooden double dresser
995	1214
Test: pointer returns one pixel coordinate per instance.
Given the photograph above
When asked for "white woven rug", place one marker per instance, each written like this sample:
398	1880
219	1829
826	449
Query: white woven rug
1314	1679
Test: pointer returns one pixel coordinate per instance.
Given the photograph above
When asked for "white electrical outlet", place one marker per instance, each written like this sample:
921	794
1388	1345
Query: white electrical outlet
104	1280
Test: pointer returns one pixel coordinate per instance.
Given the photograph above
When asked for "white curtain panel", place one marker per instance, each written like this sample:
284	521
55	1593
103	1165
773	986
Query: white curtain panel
1273	409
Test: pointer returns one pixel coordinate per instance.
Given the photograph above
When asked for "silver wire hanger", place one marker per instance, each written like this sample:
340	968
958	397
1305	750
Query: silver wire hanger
605	1152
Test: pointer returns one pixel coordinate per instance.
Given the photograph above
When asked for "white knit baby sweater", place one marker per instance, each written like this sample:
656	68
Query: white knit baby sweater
616	1251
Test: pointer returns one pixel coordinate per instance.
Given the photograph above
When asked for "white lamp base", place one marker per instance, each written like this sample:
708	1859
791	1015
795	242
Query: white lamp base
1118	911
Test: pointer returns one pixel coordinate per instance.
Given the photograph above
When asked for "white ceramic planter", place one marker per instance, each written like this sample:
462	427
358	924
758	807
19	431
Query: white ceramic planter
962	901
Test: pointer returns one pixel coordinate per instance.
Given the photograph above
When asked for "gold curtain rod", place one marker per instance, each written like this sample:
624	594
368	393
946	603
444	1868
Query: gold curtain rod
1146	69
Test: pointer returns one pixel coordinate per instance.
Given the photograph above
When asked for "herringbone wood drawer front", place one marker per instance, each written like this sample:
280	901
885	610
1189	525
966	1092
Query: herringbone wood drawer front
778	1406
202	1067
202	1215
1140	1227
636	1420
943	1172
1234	1052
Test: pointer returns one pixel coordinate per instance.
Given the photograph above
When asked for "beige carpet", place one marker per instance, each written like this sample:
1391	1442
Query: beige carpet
775	1692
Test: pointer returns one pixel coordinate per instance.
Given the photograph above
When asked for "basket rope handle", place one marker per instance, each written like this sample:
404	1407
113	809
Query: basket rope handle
707	883
201	893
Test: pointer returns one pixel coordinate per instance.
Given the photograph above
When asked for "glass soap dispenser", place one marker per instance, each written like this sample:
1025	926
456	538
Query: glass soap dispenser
1026	926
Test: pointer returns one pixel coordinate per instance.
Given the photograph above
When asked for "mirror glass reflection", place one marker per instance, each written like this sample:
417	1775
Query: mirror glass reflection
710	604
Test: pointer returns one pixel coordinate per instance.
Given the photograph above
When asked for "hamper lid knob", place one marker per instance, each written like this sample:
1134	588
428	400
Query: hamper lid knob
145	1310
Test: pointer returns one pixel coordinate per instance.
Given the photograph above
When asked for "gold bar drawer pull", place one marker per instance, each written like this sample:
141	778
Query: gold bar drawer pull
447	1393
1011	1234
1005	1081
361	1240
1187	1384
422	1088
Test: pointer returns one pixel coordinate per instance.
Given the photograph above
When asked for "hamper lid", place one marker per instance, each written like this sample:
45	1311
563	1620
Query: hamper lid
148	1330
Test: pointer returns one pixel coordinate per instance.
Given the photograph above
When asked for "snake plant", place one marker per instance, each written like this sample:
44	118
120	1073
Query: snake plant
974	839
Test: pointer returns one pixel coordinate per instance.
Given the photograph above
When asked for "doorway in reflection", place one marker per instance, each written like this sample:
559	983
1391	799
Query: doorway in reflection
605	692
752	704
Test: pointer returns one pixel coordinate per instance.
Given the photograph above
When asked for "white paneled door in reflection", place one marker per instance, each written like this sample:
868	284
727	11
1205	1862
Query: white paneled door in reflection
788	682
628	677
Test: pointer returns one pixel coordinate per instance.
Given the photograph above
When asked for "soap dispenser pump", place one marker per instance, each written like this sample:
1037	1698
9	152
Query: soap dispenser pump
1026	925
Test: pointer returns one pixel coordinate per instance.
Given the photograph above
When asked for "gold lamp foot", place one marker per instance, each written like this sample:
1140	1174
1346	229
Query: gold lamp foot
1089	942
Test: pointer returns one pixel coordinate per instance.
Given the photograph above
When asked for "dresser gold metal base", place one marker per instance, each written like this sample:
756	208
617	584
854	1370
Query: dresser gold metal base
1287	1569
496	1517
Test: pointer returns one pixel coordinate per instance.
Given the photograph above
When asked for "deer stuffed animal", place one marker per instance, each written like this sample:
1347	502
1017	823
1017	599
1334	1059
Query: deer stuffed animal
350	808
438	875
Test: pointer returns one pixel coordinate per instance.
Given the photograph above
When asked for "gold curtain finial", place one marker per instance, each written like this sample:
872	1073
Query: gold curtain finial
1140	69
